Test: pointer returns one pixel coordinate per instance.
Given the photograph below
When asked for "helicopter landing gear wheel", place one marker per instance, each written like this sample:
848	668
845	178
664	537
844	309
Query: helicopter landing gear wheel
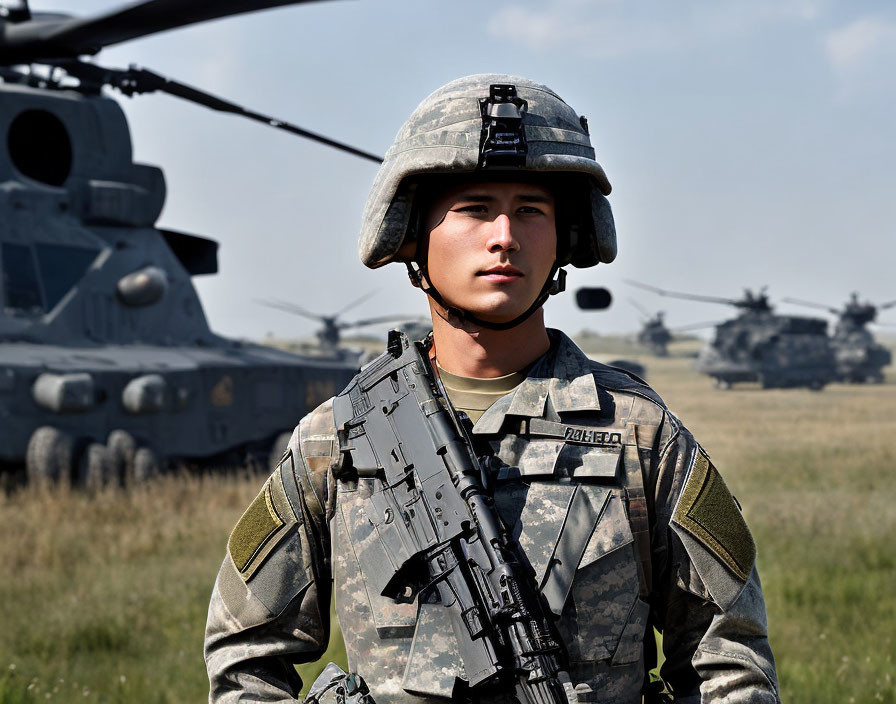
122	448
96	468
146	466
722	384
48	459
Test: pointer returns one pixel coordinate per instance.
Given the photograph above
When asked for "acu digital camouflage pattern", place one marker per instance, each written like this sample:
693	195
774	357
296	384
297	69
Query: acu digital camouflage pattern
583	447
443	136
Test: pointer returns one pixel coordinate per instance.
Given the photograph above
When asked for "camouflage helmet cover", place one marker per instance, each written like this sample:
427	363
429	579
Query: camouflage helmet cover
443	136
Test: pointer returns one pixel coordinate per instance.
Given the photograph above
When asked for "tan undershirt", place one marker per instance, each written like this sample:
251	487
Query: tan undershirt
474	396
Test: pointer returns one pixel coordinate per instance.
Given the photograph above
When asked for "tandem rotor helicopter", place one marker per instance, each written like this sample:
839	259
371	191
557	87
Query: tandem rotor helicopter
860	358
108	368
759	345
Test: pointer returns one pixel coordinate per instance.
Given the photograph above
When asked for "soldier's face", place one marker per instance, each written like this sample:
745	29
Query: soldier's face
491	246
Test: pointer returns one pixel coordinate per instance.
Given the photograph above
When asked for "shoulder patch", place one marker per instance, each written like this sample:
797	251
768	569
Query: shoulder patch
260	528
708	511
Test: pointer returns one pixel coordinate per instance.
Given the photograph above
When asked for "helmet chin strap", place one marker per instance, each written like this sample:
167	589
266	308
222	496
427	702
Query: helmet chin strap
551	286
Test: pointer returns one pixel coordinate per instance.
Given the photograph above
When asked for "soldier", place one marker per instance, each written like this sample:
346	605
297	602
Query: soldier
625	524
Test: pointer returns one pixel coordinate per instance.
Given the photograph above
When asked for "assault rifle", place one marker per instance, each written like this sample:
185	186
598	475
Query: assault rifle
440	531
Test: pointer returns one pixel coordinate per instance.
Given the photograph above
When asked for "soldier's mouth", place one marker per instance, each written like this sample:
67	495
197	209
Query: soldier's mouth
501	273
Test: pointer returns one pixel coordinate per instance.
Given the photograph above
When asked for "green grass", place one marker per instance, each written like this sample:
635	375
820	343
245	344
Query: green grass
106	597
815	473
103	599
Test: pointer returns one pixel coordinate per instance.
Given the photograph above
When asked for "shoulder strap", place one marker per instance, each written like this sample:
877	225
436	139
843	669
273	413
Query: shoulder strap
638	514
311	455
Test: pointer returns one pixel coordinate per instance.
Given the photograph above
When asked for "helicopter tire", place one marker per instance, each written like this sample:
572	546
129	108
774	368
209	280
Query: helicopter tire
723	384
48	459
146	466
96	469
277	449
122	448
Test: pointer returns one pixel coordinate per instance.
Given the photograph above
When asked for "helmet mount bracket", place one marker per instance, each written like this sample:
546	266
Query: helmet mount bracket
502	143
493	127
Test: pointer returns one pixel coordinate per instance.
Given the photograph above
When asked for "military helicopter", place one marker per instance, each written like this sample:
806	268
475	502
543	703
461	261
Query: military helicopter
761	346
653	335
860	358
108	368
329	335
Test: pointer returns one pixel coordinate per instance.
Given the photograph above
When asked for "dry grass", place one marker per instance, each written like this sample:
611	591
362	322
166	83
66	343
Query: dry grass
104	598
815	473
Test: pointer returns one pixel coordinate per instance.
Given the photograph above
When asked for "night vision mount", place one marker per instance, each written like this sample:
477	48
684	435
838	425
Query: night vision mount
503	141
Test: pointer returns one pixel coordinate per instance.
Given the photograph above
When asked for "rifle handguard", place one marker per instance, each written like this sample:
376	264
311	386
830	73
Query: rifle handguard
439	530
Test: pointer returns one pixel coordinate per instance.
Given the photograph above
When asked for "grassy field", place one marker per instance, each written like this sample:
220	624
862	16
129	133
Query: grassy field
103	599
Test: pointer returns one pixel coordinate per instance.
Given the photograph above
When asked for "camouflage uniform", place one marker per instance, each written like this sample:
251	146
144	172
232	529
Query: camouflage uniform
620	513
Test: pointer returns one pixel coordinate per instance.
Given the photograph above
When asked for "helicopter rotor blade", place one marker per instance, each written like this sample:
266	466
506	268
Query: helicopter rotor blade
291	308
888	304
354	303
137	80
375	321
641	309
696	326
674	294
49	36
801	302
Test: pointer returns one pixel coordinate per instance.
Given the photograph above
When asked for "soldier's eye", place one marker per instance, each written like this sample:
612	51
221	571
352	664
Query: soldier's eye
530	210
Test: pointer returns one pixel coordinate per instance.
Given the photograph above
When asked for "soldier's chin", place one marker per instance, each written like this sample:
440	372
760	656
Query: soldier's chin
496	309
500	314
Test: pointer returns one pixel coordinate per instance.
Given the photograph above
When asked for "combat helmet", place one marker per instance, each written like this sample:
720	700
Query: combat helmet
492	126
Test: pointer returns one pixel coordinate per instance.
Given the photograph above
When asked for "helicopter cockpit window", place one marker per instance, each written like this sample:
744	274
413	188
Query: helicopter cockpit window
61	267
35	283
39	147
20	285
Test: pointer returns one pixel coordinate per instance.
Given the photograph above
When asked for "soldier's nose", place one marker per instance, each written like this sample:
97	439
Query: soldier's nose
501	235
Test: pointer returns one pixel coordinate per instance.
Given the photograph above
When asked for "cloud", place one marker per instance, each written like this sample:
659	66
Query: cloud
861	55
612	28
564	23
859	43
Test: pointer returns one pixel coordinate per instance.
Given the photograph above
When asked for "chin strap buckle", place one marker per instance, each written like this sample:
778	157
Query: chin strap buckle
415	275
558	285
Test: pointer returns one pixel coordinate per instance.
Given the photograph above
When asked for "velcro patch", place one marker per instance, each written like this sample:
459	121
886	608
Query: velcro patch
708	511
257	526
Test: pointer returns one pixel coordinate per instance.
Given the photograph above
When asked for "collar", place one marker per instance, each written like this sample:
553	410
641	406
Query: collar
563	374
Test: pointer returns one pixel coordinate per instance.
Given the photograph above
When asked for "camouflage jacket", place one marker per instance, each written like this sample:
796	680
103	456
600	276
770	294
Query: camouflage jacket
619	511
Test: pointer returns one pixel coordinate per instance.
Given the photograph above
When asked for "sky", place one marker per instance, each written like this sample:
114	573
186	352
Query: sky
749	144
